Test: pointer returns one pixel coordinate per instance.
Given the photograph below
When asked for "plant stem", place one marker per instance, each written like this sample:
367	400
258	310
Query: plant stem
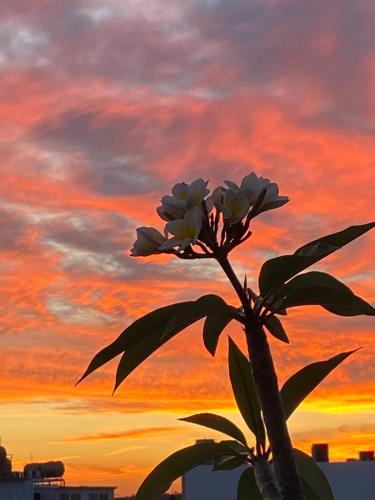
268	392
266	480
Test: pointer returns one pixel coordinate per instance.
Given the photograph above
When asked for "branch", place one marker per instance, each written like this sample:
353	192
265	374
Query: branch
266	479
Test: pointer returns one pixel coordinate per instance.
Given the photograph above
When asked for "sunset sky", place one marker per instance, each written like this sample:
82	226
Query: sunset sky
105	105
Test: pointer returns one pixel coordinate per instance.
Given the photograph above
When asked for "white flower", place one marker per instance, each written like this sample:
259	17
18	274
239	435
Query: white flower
252	186
147	243
218	196
231	202
171	208
197	192
185	231
185	196
235	206
271	199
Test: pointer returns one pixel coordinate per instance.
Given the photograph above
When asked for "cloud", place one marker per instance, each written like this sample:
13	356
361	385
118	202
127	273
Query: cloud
122	451
130	434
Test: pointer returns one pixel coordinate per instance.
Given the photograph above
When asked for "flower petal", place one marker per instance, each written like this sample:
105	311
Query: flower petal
235	206
232	186
197	191
181	191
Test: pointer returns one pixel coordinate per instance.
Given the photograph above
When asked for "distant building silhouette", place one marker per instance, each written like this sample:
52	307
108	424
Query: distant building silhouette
349	480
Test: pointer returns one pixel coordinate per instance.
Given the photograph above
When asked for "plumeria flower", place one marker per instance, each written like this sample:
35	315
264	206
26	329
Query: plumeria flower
252	186
232	203
234	207
171	208
148	242
216	198
197	192
271	199
185	196
185	231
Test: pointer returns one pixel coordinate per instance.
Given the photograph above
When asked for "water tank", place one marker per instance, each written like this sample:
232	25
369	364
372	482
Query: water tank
44	470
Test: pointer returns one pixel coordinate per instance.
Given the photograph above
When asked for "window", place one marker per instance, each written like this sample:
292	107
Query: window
93	496
103	496
64	496
75	496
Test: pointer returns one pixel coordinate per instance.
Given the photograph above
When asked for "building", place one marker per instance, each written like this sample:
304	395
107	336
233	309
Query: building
73	493
16	489
44	481
350	480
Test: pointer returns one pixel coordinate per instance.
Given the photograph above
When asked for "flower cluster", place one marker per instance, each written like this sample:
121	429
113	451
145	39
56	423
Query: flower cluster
213	222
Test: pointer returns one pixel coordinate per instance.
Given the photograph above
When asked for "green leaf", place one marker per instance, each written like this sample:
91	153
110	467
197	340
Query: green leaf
153	323
185	315
309	493
170	469
277	271
244	390
139	352
275	327
213	327
247	486
196	310
313	476
147	334
217	423
334	240
317	288
355	308
321	289
301	384
227	462
311	279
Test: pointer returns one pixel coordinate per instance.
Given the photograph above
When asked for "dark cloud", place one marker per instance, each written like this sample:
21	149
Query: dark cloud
119	179
297	50
87	236
114	147
92	131
129	49
12	229
94	243
99	244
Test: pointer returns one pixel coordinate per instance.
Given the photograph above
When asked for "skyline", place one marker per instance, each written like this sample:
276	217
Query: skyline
104	107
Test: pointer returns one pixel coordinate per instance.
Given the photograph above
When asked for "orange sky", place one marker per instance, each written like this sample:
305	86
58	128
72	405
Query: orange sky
103	107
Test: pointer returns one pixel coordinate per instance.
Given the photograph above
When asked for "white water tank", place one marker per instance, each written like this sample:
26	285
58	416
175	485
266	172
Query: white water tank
44	470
